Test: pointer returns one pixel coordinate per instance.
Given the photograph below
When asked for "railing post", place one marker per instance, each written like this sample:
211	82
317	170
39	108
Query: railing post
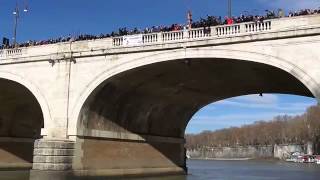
3	53
186	33
243	28
160	37
213	31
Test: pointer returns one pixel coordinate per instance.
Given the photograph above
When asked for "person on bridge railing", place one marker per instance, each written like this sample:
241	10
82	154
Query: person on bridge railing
189	20
270	14
229	20
304	12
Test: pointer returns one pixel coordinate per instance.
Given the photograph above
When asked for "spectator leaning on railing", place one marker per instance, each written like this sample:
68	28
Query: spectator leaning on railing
202	23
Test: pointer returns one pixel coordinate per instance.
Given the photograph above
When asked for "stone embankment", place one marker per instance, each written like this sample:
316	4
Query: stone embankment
249	152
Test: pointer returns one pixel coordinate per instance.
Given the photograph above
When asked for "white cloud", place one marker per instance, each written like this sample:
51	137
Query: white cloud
276	106
265	99
267	102
236	119
291	4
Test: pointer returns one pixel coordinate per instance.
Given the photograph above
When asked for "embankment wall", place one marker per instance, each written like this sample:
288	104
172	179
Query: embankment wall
254	152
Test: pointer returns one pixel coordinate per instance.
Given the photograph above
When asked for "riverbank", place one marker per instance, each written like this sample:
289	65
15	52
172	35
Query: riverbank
239	159
248	152
223	159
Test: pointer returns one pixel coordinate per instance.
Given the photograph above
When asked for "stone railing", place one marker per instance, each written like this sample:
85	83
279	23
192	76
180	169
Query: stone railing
2	52
10	52
118	41
150	38
199	33
255	27
303	24
228	30
216	31
172	36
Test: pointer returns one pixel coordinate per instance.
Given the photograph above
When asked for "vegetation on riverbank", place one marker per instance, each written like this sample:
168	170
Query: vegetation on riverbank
281	130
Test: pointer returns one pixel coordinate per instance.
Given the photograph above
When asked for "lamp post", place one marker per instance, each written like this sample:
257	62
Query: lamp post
229	8
16	14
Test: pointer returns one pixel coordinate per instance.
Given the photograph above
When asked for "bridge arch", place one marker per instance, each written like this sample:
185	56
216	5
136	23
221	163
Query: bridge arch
145	104
195	53
34	90
23	111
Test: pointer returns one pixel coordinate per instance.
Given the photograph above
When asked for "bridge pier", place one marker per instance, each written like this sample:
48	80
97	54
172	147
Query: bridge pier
52	158
128	155
91	157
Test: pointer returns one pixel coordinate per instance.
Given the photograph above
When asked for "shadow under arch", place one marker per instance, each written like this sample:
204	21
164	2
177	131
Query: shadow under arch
35	91
21	120
204	53
159	99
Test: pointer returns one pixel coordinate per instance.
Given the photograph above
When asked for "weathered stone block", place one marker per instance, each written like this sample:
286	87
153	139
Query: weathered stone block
52	166
54	152
54	144
52	159
53	155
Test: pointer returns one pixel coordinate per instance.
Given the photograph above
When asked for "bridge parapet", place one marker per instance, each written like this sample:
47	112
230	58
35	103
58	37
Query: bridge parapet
12	52
227	31
217	33
200	33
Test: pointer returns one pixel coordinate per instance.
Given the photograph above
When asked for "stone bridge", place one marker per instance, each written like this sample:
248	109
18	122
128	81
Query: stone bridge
108	108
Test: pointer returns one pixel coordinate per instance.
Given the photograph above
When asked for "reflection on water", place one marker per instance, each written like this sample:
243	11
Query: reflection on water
222	170
14	175
252	170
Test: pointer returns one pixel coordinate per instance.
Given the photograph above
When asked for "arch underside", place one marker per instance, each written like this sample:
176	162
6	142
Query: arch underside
21	121
160	99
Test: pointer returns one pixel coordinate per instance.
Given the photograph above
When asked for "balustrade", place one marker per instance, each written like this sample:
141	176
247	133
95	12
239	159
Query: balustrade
172	36
260	26
184	35
117	41
228	30
10	52
149	38
215	31
13	52
199	33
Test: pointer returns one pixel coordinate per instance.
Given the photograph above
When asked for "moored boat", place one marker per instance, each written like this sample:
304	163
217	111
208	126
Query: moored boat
317	159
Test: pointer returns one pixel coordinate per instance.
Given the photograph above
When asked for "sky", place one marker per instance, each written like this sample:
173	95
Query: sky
54	18
238	111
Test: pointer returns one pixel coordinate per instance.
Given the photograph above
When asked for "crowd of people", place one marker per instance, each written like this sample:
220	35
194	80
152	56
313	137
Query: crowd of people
304	12
202	23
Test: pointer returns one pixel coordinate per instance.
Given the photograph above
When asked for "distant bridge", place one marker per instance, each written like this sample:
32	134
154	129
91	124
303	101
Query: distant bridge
106	107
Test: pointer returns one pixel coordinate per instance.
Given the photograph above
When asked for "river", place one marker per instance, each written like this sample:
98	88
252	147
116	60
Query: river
252	170
225	170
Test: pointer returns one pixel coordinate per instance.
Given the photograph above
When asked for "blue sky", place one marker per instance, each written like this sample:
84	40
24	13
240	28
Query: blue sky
55	18
246	110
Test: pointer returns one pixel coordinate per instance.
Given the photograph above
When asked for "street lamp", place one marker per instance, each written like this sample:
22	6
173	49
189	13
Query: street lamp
229	8
16	14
